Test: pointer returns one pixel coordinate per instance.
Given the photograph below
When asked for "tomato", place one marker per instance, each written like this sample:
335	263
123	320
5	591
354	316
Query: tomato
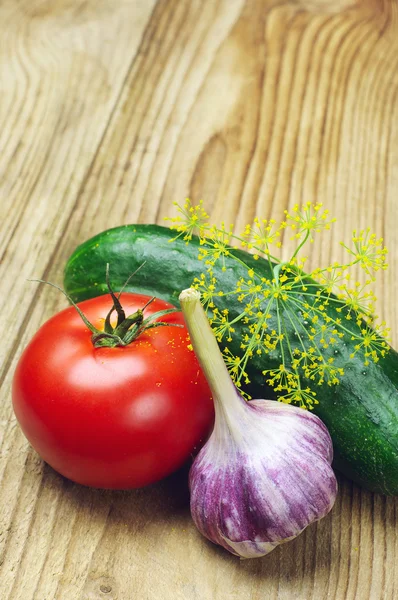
112	417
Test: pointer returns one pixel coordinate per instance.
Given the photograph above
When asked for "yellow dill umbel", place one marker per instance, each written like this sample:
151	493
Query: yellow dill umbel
298	300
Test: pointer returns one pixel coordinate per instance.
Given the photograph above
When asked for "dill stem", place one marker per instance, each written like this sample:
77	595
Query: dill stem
313	342
301	244
295	328
279	332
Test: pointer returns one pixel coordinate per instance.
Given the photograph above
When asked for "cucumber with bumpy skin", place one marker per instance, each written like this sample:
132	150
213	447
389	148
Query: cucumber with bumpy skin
361	412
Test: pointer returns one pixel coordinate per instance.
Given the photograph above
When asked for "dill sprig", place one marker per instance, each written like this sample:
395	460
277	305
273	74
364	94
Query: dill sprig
297	318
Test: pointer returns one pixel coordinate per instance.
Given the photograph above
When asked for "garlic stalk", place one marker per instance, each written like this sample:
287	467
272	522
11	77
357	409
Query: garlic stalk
264	474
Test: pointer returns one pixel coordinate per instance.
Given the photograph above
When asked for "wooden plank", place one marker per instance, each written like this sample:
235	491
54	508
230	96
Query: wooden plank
62	66
108	118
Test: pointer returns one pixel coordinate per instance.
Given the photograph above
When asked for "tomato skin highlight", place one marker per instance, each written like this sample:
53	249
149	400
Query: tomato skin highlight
116	418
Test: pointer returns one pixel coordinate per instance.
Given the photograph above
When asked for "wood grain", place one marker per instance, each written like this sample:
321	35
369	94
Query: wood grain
110	111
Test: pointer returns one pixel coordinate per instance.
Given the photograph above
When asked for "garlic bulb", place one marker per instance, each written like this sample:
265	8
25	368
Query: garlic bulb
264	474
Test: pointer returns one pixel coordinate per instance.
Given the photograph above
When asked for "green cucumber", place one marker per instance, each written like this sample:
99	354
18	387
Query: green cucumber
361	412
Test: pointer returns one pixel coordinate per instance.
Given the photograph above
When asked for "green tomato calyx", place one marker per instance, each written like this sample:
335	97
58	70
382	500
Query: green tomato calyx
127	328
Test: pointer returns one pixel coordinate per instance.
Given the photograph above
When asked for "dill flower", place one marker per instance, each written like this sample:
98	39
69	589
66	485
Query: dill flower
297	321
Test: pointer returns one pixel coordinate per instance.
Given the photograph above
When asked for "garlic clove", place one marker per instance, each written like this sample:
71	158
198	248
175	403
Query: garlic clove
249	549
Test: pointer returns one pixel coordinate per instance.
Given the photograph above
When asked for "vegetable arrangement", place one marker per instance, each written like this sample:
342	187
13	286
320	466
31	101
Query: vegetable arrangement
120	390
349	378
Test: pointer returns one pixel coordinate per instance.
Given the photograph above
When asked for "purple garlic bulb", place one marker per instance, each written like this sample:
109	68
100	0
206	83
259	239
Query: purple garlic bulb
265	472
262	477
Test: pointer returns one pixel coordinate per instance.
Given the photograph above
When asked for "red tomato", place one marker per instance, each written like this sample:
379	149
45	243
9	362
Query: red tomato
120	417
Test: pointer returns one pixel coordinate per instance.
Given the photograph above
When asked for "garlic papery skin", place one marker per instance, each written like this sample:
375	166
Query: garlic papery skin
265	472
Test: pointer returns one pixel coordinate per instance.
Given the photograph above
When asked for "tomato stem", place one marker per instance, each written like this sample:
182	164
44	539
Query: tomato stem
121	315
127	329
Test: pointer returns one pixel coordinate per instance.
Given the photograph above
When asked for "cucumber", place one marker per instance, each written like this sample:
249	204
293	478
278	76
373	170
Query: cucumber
361	412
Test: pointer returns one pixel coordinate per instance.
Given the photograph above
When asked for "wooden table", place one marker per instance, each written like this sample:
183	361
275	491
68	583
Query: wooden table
110	110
